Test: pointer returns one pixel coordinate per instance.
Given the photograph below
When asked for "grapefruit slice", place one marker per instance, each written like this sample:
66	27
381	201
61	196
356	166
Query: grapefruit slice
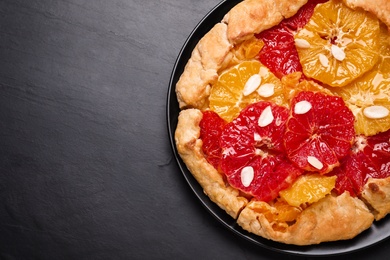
370	158
211	127
253	157
319	131
279	53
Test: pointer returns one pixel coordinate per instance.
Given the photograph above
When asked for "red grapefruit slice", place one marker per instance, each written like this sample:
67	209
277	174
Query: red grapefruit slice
211	127
370	158
253	156
319	131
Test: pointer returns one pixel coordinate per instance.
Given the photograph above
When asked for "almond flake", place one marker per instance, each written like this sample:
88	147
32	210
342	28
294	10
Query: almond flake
257	137
266	117
315	162
252	84
376	112
263	72
266	90
302	107
301	43
247	175
337	52
323	60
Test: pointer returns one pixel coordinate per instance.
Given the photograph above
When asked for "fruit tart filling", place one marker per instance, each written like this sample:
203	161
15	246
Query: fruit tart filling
302	110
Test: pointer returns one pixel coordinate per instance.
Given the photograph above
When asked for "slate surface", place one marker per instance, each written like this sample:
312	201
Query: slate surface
86	168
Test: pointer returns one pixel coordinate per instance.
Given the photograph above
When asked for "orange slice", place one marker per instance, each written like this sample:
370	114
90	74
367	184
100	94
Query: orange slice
308	188
241	85
338	44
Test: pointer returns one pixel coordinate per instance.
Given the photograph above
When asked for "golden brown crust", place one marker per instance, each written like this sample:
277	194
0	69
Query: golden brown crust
376	192
380	8
254	16
189	147
332	218
201	71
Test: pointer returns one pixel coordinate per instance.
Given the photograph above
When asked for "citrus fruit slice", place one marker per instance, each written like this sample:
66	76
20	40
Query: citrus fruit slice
241	85
319	131
246	50
279	53
211	127
338	44
370	157
371	93
253	157
308	188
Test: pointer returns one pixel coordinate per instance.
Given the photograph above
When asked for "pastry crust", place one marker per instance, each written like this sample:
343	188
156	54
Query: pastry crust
376	193
380	8
193	87
330	219
254	16
189	147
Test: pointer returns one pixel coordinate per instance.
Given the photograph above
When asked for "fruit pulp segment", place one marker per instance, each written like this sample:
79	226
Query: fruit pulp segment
308	188
211	127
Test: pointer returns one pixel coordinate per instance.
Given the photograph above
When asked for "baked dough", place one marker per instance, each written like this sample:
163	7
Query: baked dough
376	193
380	8
332	218
189	147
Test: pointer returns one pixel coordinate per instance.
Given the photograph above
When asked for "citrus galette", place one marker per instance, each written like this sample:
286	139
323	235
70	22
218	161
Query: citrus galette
285	119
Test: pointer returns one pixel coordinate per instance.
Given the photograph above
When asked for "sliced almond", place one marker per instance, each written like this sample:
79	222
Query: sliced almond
337	52
302	107
252	84
323	60
247	175
257	137
302	43
313	161
266	90
263	72
266	117
376	112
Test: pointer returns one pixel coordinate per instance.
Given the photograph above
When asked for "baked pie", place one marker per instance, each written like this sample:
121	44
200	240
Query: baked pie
284	117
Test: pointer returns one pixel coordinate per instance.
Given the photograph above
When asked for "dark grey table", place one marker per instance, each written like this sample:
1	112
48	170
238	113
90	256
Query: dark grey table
86	167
